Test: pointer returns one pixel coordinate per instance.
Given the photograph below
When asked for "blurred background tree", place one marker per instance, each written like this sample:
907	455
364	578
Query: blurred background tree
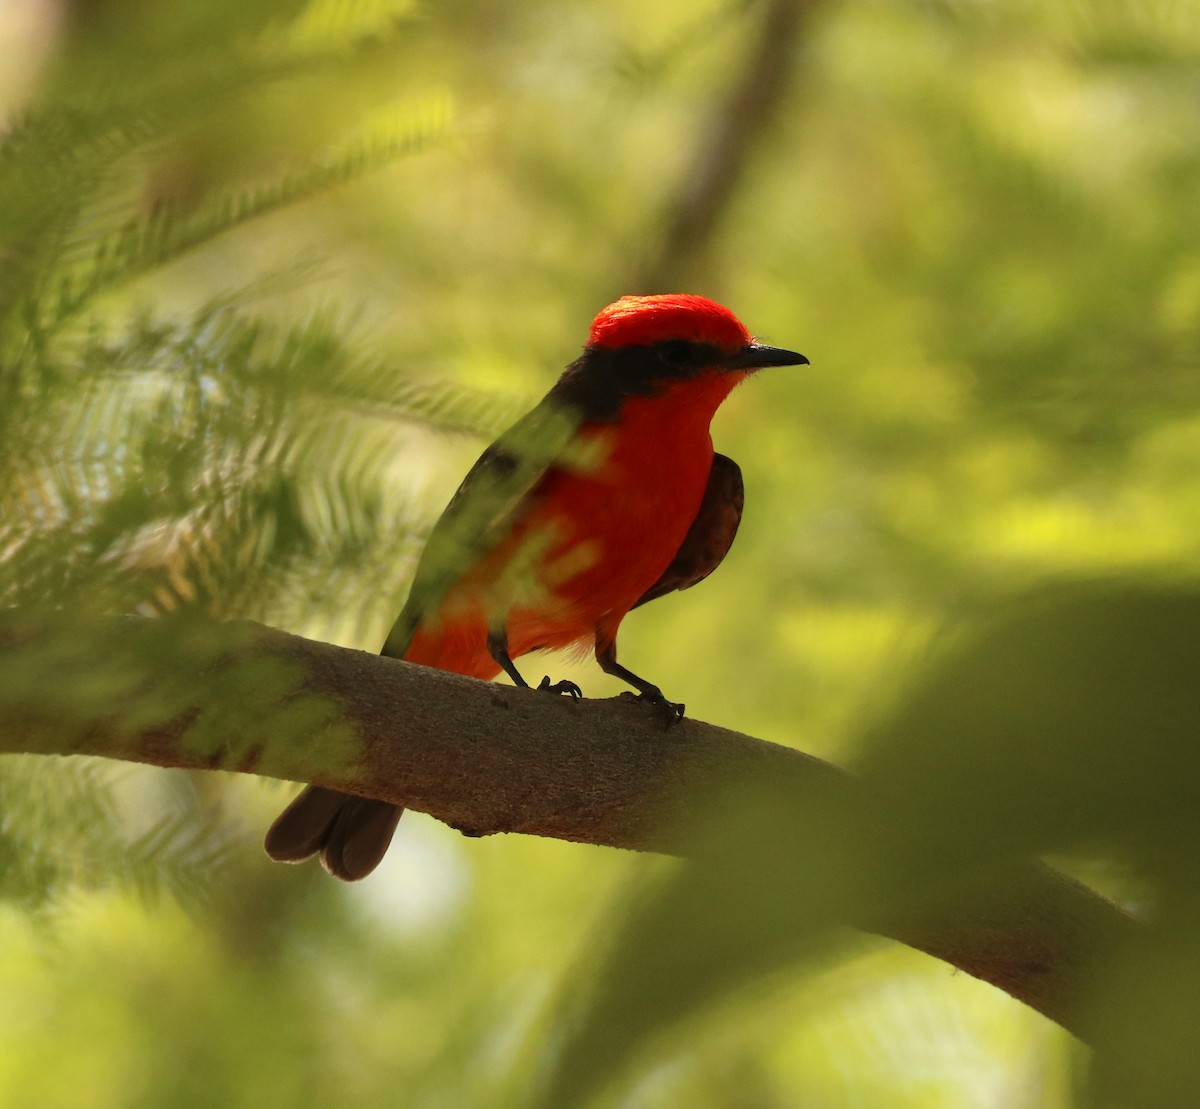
270	273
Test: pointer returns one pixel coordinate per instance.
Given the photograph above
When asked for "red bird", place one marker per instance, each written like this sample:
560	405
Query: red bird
607	495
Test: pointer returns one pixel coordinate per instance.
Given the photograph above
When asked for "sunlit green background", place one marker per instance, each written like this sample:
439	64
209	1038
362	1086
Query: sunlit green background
980	220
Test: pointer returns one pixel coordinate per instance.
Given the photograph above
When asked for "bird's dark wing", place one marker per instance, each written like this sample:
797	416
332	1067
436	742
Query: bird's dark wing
494	493
711	535
350	833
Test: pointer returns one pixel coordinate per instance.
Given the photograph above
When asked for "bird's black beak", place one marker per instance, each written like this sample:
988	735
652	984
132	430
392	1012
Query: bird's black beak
758	356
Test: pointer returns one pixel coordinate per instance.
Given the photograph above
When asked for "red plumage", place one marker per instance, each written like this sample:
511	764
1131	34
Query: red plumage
643	321
608	532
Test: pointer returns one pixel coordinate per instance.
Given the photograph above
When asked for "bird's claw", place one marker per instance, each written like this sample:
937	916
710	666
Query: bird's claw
671	711
564	686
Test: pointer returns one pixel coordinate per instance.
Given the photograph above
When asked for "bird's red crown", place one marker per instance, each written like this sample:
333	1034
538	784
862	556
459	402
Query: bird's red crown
642	320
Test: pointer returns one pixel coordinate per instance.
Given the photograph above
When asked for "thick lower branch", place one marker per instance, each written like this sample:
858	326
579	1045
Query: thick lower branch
482	757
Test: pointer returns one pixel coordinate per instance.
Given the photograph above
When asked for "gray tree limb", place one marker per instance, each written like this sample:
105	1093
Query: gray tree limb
481	757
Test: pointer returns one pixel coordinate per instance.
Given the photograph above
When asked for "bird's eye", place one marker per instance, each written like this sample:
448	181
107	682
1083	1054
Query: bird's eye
675	352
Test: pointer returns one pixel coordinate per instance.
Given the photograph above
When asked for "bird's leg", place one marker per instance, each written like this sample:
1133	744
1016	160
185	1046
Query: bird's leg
563	685
606	656
497	643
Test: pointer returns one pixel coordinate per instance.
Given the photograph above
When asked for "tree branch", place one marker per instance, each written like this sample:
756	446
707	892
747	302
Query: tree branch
481	757
726	144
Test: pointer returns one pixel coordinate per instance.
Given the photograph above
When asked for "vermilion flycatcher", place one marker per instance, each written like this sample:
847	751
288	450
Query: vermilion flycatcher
607	495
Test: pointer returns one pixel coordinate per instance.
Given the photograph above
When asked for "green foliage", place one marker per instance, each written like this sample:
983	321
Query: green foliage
979	222
153	459
1060	724
62	830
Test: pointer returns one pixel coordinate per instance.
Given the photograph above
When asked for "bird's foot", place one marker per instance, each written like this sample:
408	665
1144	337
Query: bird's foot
671	712
568	687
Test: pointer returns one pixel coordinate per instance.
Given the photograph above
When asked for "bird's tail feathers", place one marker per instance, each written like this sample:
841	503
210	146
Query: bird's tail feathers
351	834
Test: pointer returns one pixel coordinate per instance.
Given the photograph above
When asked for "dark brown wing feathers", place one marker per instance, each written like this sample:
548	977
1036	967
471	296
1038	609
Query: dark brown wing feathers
711	535
350	833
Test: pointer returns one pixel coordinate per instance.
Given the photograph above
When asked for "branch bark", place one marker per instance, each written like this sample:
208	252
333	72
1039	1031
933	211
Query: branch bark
483	758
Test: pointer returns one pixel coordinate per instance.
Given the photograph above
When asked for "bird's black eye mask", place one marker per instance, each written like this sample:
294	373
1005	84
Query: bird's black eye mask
597	382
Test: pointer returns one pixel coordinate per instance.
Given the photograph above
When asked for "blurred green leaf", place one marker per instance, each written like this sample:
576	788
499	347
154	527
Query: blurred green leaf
1066	720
